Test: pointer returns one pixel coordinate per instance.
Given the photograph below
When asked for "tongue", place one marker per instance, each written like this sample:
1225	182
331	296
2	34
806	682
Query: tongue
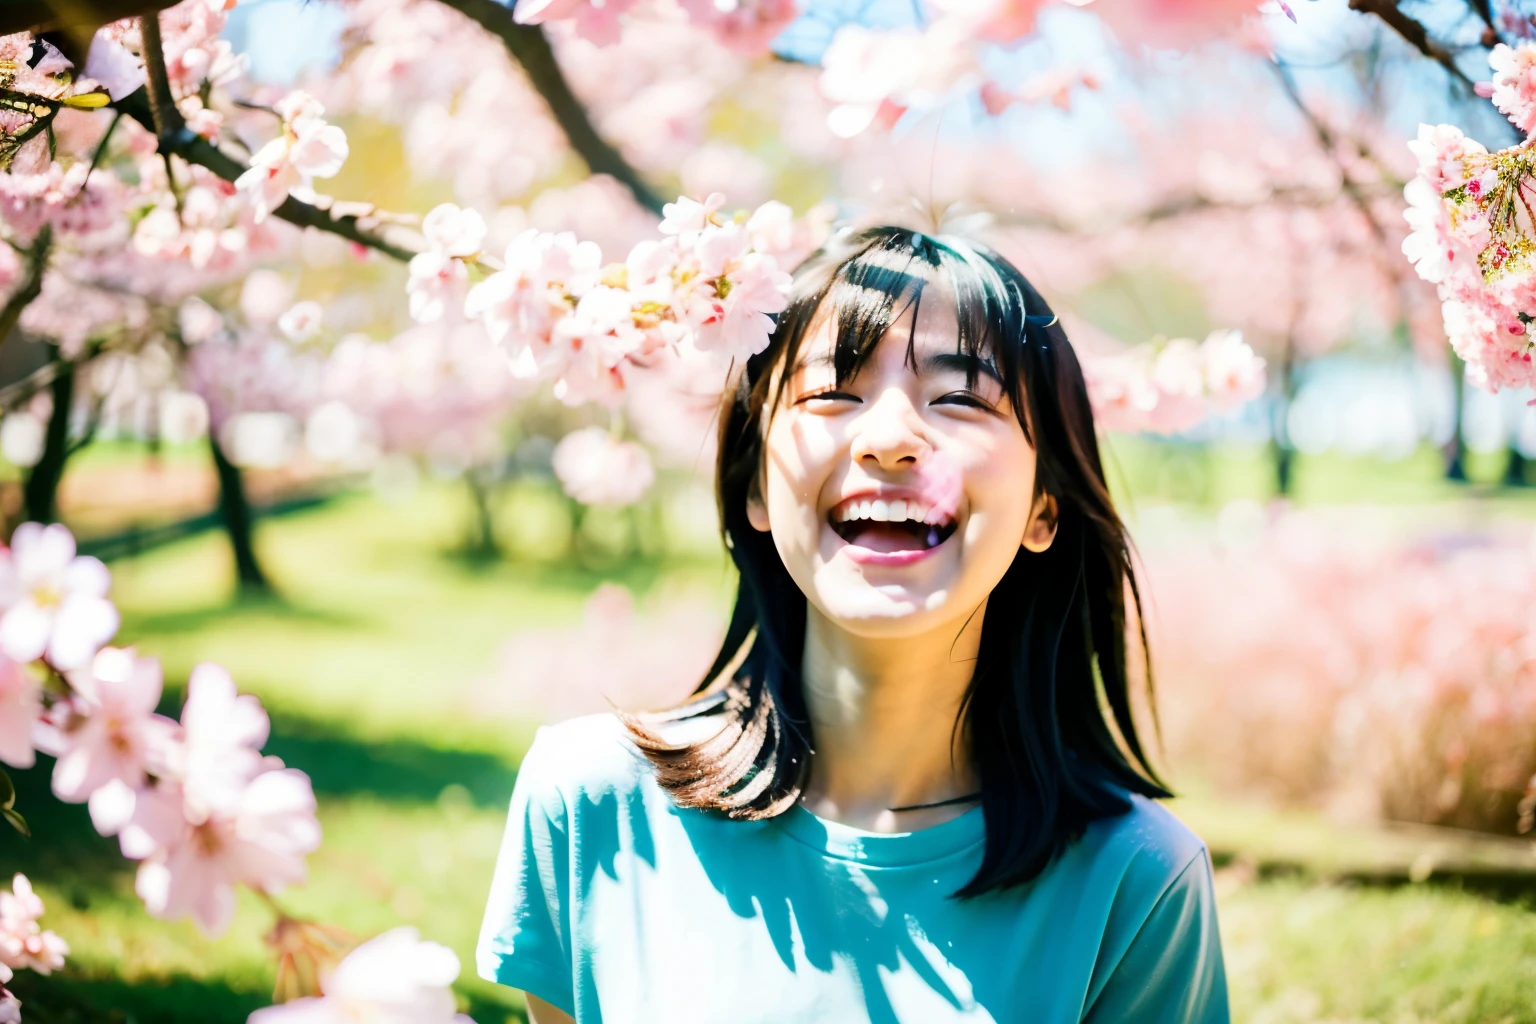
907	536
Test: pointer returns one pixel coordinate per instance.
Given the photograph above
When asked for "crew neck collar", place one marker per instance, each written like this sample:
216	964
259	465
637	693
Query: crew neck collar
884	849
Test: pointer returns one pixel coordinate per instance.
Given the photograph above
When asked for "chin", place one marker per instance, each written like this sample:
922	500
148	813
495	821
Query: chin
889	611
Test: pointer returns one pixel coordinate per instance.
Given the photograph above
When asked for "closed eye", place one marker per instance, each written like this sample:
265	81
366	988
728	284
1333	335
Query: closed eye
829	396
965	398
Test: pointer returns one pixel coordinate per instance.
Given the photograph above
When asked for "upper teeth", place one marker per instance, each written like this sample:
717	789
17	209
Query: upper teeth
882	511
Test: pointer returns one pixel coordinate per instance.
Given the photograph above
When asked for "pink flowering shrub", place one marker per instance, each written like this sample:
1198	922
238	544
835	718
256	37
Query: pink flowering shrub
392	977
614	656
1323	665
1170	386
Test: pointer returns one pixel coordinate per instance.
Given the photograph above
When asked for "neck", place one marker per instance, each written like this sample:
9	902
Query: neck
883	716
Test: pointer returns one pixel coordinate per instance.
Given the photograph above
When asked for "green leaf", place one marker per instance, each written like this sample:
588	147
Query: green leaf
7	791
17	822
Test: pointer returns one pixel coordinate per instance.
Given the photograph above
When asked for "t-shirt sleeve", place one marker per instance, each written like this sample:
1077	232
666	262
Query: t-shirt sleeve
1172	971
525	940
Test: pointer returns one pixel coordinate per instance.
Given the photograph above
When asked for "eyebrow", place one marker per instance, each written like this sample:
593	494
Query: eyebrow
971	366
938	362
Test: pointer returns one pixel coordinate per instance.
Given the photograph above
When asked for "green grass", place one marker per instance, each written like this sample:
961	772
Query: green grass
367	665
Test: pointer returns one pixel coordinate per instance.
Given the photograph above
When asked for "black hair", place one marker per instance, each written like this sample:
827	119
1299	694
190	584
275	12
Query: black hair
1047	718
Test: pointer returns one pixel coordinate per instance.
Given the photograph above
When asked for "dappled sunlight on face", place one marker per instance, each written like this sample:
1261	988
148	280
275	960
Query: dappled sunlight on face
899	498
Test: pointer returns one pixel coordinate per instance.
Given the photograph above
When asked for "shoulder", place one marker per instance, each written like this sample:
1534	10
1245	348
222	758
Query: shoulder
1150	847
590	756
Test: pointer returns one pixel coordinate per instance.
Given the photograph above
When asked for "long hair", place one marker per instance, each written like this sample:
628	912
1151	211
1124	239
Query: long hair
1047	717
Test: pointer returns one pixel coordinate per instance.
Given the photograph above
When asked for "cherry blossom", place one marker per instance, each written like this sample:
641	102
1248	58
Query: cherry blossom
438	276
65	199
393	978
1169	386
521	303
308	148
1513	89
597	469
107	732
21	705
745	26
688	216
192	859
454	231
24	945
55	602
302	321
595	22
222	732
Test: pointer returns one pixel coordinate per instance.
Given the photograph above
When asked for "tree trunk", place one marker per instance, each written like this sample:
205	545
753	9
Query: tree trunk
1514	470
1455	450
483	544
1280	438
40	493
235	511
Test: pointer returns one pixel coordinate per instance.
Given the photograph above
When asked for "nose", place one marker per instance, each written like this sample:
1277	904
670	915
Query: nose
889	433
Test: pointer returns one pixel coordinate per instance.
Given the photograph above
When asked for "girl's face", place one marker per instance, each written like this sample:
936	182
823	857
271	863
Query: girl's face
898	500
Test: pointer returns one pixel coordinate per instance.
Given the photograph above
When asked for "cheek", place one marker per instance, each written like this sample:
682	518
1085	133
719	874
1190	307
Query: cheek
1000	481
800	454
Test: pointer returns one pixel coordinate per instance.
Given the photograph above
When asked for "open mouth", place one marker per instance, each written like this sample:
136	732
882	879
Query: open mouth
889	526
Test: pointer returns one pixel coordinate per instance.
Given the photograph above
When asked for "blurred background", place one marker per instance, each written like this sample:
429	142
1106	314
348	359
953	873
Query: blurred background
371	524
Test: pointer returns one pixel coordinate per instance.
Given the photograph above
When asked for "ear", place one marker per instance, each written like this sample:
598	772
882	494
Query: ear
757	510
1040	531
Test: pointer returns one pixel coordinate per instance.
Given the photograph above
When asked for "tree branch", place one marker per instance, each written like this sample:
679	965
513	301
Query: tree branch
1414	32
530	48
36	261
162	104
193	148
73	17
1329	145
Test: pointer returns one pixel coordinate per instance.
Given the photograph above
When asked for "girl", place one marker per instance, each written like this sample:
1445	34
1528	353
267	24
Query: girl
911	788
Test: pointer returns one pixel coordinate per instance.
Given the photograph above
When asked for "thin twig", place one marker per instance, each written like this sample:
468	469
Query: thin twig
530	48
162	104
1415	33
195	149
1329	145
31	284
1484	10
101	147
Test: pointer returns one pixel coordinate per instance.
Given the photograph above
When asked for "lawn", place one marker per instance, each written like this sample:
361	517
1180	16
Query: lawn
368	664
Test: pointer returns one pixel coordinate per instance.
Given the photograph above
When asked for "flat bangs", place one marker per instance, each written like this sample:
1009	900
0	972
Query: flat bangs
886	279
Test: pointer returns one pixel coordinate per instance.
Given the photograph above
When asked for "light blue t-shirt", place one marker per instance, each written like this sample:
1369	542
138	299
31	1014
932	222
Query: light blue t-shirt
616	905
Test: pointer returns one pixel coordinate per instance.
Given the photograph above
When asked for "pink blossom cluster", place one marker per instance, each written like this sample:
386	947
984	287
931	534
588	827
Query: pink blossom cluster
1473	233
213	229
596	468
196	56
308	148
1472	237
439	391
1344	660
392	977
24	945
194	801
62	198
1169	386
1513	89
873	76
563	316
747	26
